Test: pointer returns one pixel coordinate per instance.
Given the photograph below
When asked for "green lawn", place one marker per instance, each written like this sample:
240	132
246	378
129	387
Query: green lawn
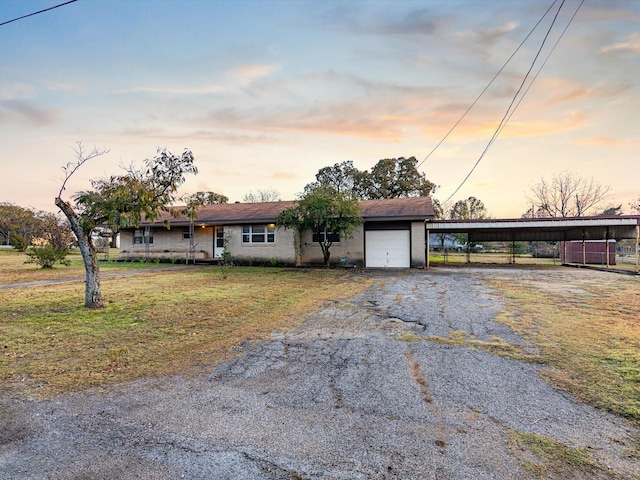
152	324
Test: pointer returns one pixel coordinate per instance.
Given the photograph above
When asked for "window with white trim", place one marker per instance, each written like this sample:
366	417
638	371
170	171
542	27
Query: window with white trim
259	233
138	236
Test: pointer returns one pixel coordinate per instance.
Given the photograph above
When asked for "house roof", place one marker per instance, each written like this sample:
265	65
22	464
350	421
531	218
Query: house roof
415	208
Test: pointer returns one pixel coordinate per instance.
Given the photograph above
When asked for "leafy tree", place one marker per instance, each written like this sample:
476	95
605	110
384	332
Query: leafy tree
18	226
261	196
389	178
120	201
534	212
612	210
566	195
469	209
54	239
635	205
396	178
193	204
342	177
46	256
322	209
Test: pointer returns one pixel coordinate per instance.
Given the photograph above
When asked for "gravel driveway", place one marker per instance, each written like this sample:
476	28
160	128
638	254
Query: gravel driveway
340	397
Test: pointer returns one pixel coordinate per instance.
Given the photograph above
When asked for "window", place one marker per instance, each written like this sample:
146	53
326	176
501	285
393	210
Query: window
220	237
139	234
259	234
326	236
186	233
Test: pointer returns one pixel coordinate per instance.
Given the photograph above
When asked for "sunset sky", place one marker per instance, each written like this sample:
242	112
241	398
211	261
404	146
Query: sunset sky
265	93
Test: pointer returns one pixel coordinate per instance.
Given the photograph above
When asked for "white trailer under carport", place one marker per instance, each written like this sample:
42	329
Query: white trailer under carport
541	229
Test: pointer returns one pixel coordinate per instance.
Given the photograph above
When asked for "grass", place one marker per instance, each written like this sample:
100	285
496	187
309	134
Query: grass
14	270
457	258
588	335
544	457
496	346
623	263
152	324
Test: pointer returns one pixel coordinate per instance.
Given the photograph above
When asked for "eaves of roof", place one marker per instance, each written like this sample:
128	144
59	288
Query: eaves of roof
416	208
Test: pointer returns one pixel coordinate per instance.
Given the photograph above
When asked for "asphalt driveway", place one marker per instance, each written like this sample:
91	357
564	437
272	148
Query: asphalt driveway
353	393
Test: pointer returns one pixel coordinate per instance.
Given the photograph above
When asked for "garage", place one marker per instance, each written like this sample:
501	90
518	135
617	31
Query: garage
388	248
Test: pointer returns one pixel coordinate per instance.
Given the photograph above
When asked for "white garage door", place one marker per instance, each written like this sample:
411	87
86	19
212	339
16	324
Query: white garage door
388	248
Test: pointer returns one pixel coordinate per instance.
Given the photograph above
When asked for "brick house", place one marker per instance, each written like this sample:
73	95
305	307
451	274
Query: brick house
392	235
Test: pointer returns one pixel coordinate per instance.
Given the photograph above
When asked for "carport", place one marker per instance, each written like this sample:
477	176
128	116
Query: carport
541	230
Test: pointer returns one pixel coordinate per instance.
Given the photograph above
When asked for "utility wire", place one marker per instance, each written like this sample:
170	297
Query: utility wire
488	85
504	118
36	13
543	63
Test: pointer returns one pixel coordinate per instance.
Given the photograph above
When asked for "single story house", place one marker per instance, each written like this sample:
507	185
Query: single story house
392	235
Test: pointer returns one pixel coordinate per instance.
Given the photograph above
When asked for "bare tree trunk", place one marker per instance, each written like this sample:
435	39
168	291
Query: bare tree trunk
325	253
92	293
297	241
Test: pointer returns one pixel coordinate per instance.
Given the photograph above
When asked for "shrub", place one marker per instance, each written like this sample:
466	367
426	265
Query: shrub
47	256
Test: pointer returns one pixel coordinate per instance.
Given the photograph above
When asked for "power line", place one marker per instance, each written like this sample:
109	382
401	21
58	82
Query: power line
36	13
488	85
544	63
509	111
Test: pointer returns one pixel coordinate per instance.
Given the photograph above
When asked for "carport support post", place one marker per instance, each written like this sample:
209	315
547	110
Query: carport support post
637	253
427	248
606	239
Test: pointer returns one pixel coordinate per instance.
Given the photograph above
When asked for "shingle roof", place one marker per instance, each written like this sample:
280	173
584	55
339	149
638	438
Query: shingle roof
416	208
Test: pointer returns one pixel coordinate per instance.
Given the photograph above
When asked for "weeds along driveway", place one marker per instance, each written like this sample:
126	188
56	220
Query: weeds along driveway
355	392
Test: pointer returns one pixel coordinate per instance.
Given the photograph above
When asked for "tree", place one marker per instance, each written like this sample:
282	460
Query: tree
396	178
120	201
469	209
342	177
566	195
193	204
635	205
54	238
262	196
389	178
18	226
612	210
328	213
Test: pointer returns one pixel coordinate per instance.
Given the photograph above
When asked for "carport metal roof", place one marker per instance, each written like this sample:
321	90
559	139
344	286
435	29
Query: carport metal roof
541	229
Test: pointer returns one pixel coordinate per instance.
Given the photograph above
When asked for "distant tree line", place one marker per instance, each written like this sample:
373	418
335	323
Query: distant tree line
23	227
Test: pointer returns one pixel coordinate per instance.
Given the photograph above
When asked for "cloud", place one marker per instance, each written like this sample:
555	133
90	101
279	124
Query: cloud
631	45
485	38
325	103
248	73
233	79
516	129
167	89
26	111
608	142
14	90
228	136
420	21
417	22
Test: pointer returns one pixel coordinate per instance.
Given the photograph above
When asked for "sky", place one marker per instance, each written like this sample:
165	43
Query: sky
266	93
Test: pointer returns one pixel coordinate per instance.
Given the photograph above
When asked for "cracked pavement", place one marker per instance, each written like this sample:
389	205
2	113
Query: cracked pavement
340	397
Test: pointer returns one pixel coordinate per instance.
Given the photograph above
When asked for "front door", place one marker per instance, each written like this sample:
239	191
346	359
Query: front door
218	241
